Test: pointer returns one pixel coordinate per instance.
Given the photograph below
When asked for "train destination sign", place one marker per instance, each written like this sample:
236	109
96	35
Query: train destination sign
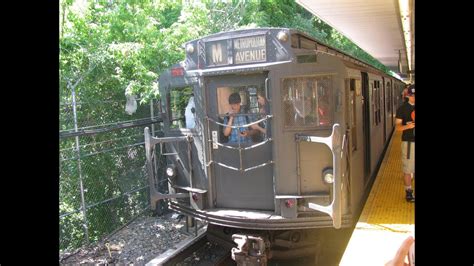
238	51
250	50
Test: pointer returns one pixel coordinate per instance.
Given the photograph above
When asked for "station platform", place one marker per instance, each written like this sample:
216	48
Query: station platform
387	219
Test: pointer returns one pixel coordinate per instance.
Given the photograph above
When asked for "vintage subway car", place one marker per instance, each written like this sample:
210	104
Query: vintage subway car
327	118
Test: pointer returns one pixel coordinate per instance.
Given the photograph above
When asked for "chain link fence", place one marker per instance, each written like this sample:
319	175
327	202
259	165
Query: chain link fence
103	178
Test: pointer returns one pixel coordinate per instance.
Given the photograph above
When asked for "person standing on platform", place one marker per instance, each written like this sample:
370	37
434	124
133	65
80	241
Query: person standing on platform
404	93
405	122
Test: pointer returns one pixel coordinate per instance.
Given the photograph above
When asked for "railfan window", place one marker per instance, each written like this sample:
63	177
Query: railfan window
307	101
249	106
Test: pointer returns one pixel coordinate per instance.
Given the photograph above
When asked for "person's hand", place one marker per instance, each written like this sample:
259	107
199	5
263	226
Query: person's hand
410	125
244	133
231	118
399	259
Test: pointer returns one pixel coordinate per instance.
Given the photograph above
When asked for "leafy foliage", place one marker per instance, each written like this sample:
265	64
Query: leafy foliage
123	45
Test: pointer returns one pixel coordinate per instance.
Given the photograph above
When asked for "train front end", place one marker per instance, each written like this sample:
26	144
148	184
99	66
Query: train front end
288	176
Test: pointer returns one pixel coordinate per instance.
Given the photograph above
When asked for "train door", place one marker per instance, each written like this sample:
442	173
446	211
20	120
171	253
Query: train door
366	124
392	116
389	121
308	102
384	117
242	171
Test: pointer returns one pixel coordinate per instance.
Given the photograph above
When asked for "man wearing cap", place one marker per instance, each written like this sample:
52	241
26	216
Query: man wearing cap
405	93
235	118
405	122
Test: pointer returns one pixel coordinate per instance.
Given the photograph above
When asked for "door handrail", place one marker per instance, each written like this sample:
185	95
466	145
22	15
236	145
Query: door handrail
150	142
239	148
266	117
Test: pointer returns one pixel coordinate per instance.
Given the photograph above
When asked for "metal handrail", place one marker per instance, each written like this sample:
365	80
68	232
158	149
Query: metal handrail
150	142
246	125
244	148
240	148
243	170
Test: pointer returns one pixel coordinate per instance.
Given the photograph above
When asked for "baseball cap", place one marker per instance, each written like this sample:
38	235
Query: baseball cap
411	90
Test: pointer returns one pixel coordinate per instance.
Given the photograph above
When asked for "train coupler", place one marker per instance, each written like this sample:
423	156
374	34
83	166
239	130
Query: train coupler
250	251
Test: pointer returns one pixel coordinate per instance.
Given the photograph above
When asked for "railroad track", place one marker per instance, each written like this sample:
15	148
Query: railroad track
197	251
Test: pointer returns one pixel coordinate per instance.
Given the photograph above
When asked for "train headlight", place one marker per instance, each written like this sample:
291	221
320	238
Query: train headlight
170	170
328	175
189	48
282	36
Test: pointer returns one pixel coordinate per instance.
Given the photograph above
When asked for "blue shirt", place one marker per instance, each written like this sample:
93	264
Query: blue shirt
234	134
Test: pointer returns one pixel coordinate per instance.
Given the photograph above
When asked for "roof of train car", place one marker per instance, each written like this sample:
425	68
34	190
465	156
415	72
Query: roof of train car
321	47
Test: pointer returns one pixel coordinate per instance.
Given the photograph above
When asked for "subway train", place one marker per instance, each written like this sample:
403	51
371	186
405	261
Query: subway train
310	124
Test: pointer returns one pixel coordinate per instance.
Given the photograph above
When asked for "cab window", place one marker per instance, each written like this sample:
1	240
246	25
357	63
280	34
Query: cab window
178	100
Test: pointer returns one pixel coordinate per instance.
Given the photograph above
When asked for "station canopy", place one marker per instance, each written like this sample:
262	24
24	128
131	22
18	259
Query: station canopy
383	28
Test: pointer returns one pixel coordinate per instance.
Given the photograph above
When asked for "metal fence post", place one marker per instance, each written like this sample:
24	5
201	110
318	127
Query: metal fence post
152	115
118	140
83	204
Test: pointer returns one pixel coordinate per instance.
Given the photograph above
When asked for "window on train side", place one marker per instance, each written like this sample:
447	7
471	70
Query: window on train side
307	101
353	112
379	102
375	97
388	97
179	99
